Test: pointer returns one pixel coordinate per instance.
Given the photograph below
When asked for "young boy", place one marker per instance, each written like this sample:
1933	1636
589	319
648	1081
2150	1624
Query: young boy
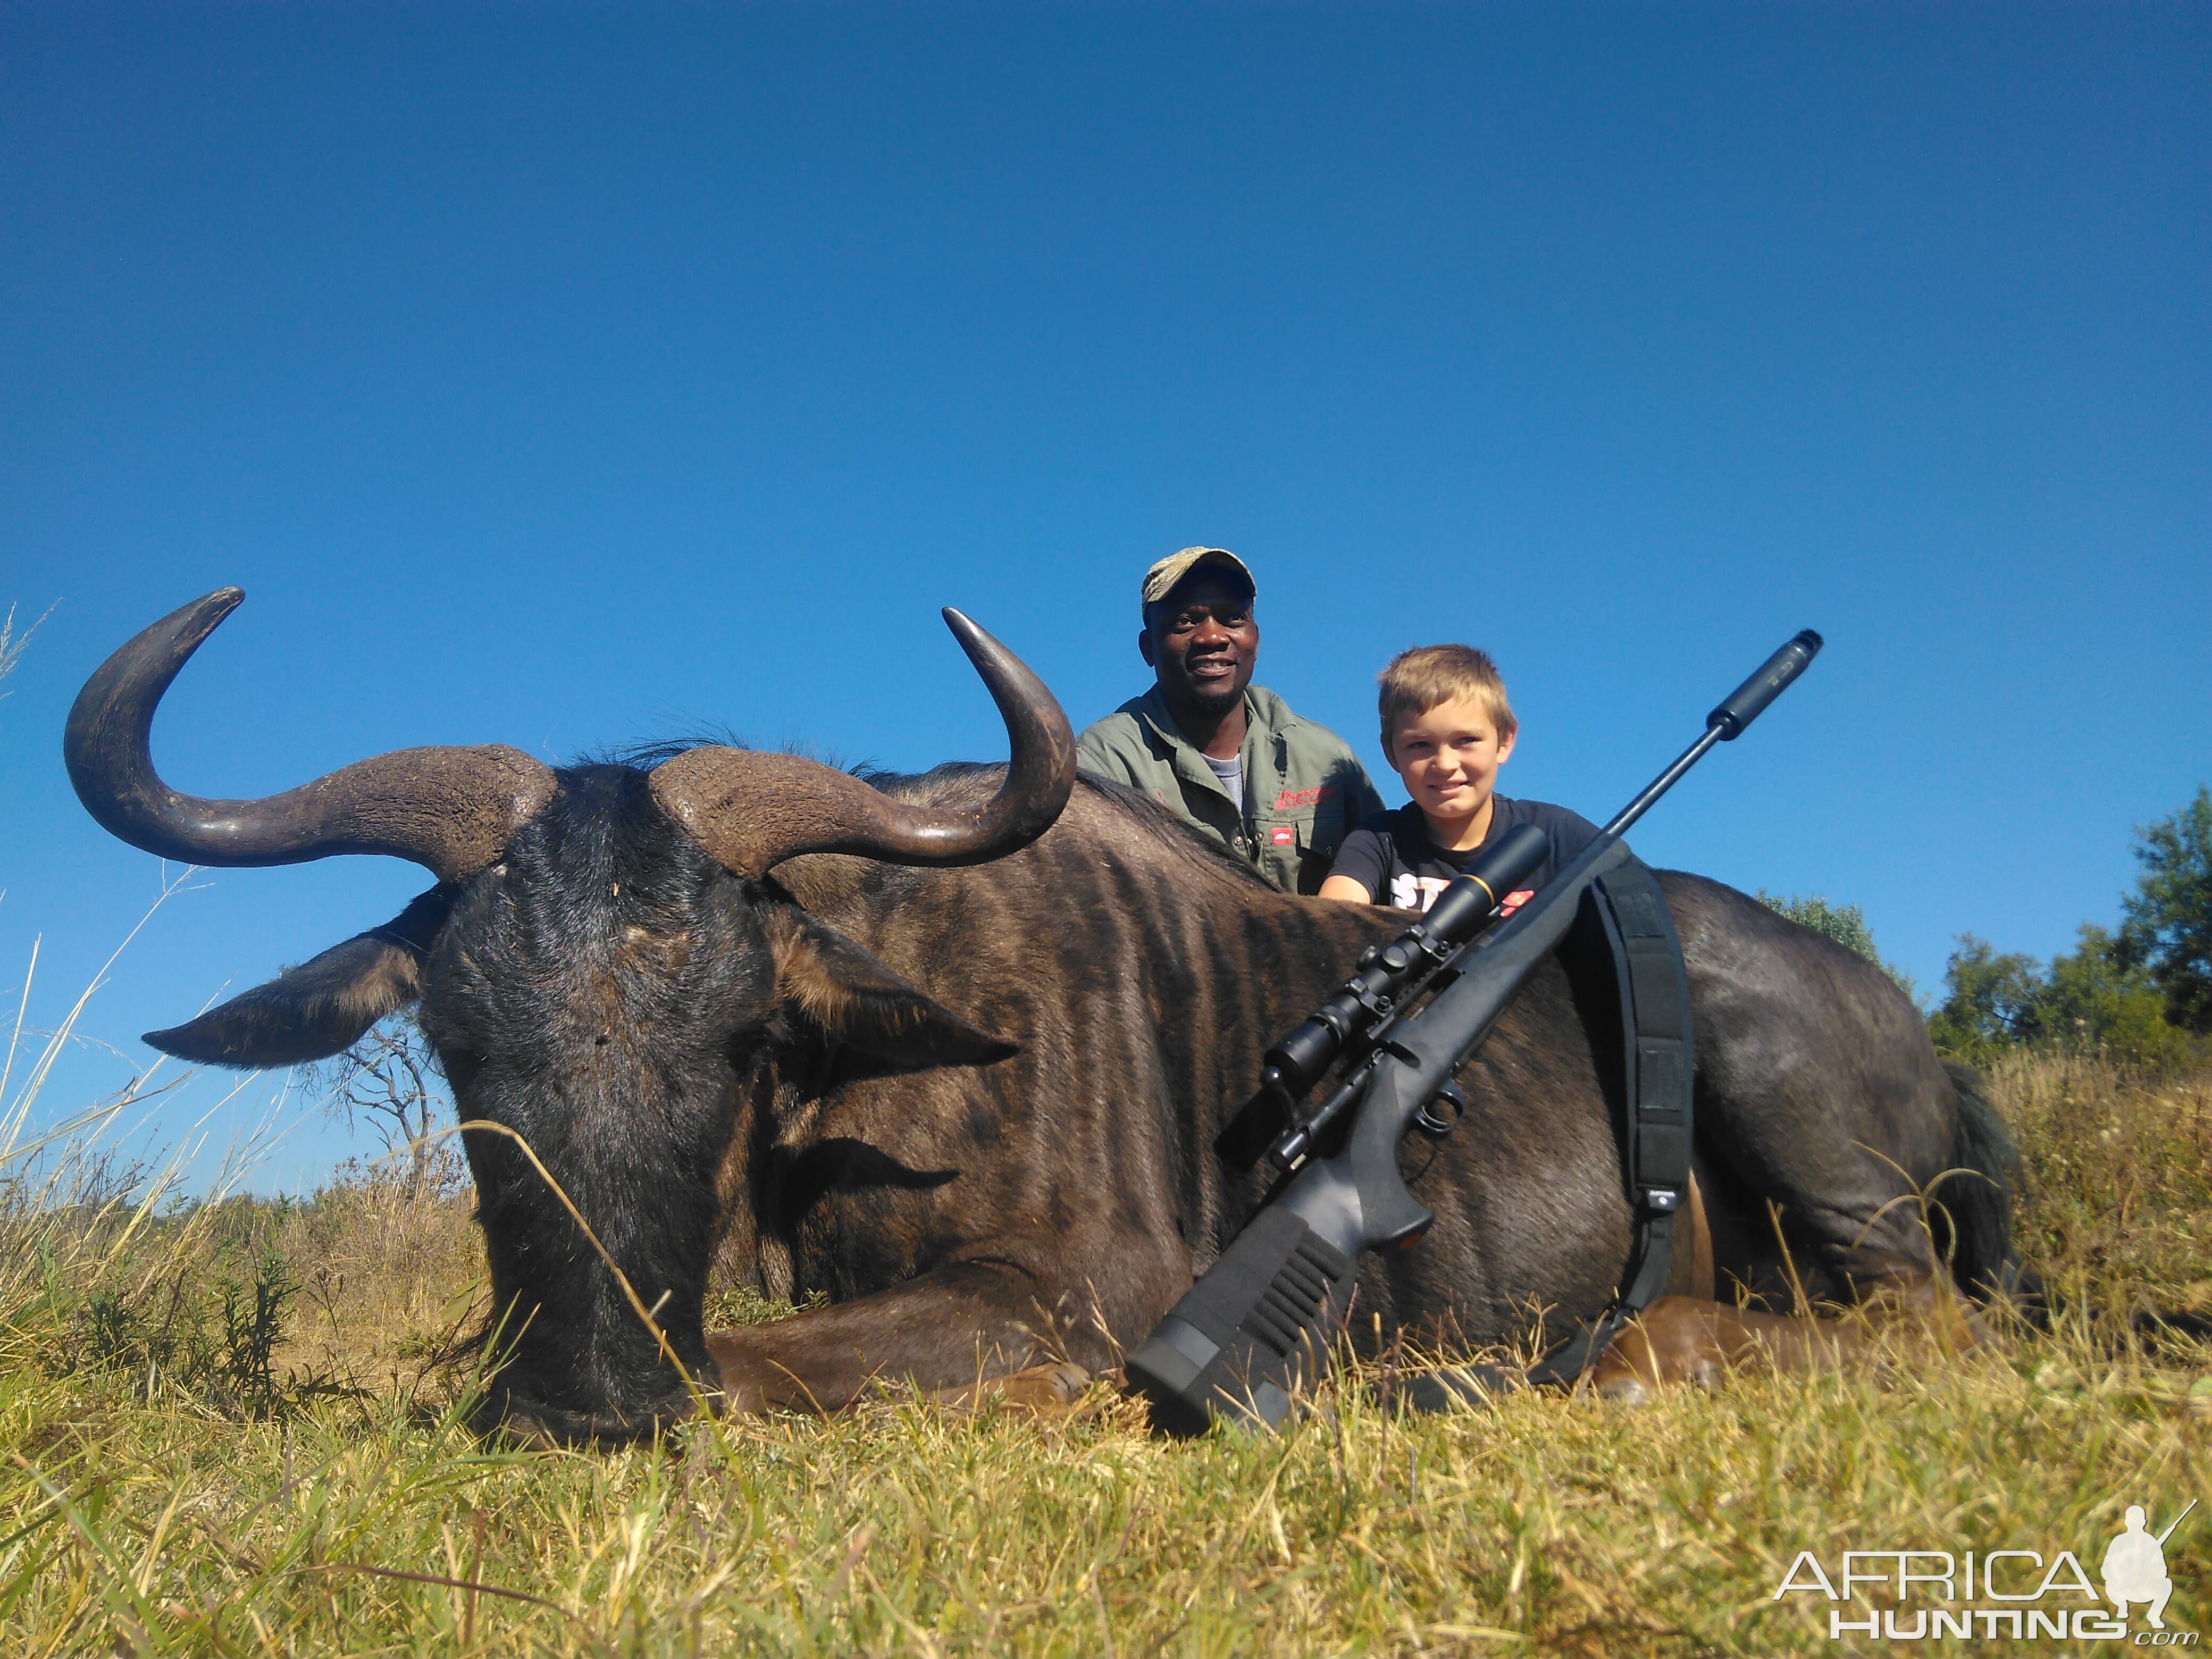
1447	728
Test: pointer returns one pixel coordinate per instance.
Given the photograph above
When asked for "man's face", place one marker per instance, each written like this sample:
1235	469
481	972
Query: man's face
1202	641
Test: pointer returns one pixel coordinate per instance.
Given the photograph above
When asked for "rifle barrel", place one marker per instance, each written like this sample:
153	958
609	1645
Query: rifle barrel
1729	720
1665	780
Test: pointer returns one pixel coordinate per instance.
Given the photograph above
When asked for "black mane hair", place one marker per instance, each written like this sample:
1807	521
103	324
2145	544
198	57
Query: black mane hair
949	783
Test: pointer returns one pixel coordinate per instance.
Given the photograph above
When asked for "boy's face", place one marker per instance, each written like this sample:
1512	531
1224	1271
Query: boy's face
1448	758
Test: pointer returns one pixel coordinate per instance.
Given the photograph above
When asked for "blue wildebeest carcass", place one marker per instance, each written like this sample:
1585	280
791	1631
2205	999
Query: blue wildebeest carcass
954	1051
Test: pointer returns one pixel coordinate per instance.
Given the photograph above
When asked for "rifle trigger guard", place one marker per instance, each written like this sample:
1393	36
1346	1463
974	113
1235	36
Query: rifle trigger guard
1434	1127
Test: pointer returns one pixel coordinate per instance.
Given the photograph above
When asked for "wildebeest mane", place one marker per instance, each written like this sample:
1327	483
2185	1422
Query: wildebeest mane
959	783
648	753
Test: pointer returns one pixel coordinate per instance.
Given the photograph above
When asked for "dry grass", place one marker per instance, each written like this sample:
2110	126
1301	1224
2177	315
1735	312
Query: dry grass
390	1279
2118	1214
155	1520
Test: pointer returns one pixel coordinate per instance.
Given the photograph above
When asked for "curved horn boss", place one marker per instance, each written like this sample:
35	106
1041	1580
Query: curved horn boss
451	809
751	810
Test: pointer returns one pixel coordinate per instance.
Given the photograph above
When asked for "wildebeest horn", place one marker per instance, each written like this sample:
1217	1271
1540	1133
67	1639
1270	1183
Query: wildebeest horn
451	809
751	810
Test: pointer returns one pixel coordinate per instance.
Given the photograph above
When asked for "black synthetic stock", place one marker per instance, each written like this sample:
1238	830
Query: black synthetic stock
1253	1328
1749	701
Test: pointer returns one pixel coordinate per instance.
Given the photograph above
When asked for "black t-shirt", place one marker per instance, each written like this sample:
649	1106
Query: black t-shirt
1393	858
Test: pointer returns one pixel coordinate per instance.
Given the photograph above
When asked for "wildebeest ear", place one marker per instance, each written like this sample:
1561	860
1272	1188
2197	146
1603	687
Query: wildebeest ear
322	1006
852	997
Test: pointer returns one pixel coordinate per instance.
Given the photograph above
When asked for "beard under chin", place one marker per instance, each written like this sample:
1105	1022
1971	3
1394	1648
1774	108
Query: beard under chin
1214	702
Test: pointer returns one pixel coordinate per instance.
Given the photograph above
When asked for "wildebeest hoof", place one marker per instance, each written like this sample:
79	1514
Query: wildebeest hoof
1045	1387
1677	1339
1038	1391
1624	1386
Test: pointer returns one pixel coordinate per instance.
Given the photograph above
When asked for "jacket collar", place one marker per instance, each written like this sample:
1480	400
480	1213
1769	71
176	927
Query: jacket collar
1265	752
1265	715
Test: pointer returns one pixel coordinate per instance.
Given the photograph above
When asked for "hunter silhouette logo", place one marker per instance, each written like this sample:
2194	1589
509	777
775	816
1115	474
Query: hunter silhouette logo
2134	1566
2027	1597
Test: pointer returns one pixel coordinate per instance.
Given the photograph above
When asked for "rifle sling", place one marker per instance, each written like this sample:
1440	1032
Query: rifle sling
1625	916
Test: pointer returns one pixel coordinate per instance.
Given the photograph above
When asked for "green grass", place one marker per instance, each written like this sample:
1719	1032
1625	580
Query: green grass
147	1511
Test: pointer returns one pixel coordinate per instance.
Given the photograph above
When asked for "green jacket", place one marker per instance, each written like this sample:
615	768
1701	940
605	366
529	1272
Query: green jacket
1304	788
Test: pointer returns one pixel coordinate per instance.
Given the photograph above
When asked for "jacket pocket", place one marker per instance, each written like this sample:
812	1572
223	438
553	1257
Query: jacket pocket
1309	839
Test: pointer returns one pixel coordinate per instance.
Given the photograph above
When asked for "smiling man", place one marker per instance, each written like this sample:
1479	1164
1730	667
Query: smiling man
1224	755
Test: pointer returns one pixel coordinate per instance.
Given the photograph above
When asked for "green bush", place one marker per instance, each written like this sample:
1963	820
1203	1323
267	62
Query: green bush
2136	996
209	1330
2167	926
2092	1002
1988	1002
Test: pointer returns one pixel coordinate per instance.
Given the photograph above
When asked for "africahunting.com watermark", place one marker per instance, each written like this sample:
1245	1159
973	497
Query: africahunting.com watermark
2000	1595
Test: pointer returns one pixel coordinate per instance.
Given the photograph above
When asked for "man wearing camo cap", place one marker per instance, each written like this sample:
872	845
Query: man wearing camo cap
1224	755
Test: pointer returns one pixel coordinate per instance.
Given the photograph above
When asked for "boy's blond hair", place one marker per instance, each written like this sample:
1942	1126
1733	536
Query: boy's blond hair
1419	679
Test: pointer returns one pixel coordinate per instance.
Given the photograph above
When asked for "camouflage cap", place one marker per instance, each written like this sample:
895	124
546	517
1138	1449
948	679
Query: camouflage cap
1161	580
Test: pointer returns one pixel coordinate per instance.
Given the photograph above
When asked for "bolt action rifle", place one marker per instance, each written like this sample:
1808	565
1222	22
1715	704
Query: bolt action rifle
1257	1322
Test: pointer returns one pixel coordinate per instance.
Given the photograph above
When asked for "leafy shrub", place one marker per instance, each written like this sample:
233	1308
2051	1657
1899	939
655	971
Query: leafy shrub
2092	1002
213	1339
2136	996
2167	926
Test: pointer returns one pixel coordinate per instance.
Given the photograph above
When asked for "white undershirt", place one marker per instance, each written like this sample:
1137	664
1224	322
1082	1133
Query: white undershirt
1231	772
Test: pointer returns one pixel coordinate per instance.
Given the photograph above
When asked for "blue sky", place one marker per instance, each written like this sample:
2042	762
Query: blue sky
569	377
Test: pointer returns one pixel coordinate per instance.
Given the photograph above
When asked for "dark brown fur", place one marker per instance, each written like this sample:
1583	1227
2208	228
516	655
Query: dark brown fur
1142	977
